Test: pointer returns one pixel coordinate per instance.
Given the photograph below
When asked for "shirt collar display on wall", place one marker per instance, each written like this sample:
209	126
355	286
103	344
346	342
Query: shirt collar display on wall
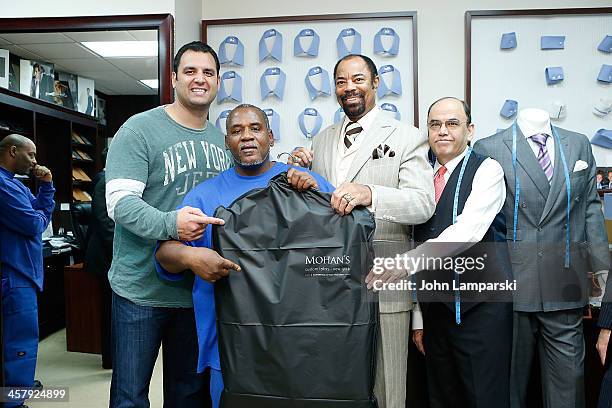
220	122
279	88
235	93
508	41
606	44
509	109
343	50
605	74
389	75
603	138
553	75
310	122
552	42
392	109
313	49
276	51
602	108
339	115
379	47
238	49
274	119
324	89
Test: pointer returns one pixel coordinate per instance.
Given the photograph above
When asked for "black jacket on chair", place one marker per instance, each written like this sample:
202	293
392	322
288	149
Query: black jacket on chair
100	246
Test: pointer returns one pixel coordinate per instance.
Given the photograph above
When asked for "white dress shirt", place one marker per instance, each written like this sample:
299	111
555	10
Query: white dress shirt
482	206
344	157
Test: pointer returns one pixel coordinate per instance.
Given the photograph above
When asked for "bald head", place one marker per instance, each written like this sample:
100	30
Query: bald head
247	107
464	105
14	140
17	154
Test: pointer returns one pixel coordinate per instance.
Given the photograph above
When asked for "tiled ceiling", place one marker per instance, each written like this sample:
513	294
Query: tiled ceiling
112	76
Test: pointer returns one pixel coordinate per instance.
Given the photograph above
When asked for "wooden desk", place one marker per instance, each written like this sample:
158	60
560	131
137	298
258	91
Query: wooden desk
83	310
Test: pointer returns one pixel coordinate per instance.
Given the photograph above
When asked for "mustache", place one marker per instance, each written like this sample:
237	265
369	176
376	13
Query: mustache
351	94
246	145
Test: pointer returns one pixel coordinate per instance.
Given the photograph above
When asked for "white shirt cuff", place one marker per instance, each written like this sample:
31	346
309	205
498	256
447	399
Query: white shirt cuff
372	207
417	317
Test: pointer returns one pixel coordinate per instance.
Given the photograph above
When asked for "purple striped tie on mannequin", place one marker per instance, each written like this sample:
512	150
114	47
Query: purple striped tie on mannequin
543	156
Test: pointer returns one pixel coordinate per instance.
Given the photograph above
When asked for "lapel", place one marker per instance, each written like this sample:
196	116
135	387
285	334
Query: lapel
528	161
380	131
558	181
330	146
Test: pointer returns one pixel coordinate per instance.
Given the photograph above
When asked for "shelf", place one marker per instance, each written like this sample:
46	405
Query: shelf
39	106
81	161
79	145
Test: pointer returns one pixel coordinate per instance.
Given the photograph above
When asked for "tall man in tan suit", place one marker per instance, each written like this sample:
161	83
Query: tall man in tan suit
379	163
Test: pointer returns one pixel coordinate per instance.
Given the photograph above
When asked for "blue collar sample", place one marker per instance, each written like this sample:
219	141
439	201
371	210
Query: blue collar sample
274	119
279	89
310	112
236	94
237	58
277	48
603	138
313	50
220	122
343	51
325	85
378	45
389	107
339	115
396	81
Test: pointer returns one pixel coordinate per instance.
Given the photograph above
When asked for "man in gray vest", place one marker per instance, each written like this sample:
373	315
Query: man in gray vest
466	339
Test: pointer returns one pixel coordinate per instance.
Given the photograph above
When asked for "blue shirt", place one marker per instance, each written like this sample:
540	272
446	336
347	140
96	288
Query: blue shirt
207	196
23	218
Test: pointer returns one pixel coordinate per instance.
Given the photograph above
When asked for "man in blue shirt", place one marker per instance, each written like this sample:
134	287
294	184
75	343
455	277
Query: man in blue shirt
23	218
249	139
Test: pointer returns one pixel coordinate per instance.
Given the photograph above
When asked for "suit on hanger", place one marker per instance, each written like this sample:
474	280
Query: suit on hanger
549	299
404	187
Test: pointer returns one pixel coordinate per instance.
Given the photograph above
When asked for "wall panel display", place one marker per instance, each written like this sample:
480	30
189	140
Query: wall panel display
285	66
558	60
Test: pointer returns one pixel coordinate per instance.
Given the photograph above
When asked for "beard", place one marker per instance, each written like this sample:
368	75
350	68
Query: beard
354	109
254	165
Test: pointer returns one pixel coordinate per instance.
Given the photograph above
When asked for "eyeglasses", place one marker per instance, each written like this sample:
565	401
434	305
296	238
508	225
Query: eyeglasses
452	124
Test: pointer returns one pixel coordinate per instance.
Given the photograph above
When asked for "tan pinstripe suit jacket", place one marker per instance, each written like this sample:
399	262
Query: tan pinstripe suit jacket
403	183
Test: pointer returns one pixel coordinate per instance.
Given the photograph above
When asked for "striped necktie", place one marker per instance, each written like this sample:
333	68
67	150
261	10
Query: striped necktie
543	156
352	130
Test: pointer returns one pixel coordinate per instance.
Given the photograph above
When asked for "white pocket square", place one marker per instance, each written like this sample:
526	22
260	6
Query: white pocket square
580	165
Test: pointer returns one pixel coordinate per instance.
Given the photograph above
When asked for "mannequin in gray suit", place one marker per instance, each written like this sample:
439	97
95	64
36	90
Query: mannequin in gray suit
550	297
385	168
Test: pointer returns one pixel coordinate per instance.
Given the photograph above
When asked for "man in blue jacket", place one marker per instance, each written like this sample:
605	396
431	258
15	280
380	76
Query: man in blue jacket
23	218
249	139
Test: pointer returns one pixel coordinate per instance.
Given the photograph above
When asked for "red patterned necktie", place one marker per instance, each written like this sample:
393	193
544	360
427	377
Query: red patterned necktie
439	182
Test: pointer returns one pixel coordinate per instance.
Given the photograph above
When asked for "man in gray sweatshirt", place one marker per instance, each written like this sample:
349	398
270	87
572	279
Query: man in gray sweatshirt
155	158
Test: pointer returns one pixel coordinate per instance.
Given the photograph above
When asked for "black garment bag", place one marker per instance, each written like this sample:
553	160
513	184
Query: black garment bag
295	327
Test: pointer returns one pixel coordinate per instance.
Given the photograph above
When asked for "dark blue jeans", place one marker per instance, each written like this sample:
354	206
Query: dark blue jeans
137	333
